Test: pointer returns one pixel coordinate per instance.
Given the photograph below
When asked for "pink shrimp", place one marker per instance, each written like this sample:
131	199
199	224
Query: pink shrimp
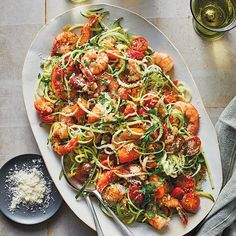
43	106
95	60
171	202
134	73
191	115
158	222
114	193
73	113
64	42
86	32
58	136
164	61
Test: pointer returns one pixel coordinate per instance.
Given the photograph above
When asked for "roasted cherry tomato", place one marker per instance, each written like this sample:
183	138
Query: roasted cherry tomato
176	82
174	143
192	145
150	102
141	111
106	160
129	109
190	202
136	195
177	192
151	164
171	119
77	82
139	44
48	119
187	183
134	54
103	157
111	56
82	172
165	130
170	98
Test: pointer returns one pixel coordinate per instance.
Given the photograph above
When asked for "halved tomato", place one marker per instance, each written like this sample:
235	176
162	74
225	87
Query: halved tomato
177	192
187	183
134	54
136	195
191	202
139	44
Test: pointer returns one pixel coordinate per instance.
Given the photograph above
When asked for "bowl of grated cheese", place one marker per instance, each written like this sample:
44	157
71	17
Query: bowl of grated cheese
27	193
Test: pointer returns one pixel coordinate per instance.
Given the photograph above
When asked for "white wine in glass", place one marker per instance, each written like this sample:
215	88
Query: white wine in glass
212	18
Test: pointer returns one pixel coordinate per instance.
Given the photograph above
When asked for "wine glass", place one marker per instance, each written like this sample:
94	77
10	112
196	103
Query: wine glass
212	18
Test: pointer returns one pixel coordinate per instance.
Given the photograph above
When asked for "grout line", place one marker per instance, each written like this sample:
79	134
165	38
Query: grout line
215	107
49	232
45	11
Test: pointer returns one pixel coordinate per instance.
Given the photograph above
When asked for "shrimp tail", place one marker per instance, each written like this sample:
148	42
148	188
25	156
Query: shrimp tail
85	32
182	215
67	148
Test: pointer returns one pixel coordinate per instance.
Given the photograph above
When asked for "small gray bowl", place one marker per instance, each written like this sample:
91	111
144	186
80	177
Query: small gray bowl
22	214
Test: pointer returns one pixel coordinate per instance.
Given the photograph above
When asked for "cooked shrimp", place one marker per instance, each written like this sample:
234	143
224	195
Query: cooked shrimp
191	115
171	202
97	113
95	60
164	61
64	42
105	179
158	222
86	32
114	193
58	136
134	71
130	170
128	153
109	83
161	188
129	136
124	93
43	106
57	84
73	113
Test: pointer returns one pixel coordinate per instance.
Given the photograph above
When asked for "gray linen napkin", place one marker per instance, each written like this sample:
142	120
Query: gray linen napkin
222	219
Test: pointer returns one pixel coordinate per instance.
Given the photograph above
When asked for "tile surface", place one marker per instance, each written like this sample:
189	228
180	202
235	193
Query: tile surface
16	12
66	223
149	8
9	228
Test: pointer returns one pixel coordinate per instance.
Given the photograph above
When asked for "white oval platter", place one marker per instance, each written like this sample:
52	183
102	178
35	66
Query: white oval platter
137	25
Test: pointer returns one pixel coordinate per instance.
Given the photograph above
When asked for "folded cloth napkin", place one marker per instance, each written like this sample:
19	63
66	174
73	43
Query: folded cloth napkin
222	218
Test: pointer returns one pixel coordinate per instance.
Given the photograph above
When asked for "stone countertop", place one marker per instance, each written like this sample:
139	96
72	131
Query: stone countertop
212	65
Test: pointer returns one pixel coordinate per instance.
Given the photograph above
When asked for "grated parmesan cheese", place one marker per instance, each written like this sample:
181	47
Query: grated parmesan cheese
27	186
